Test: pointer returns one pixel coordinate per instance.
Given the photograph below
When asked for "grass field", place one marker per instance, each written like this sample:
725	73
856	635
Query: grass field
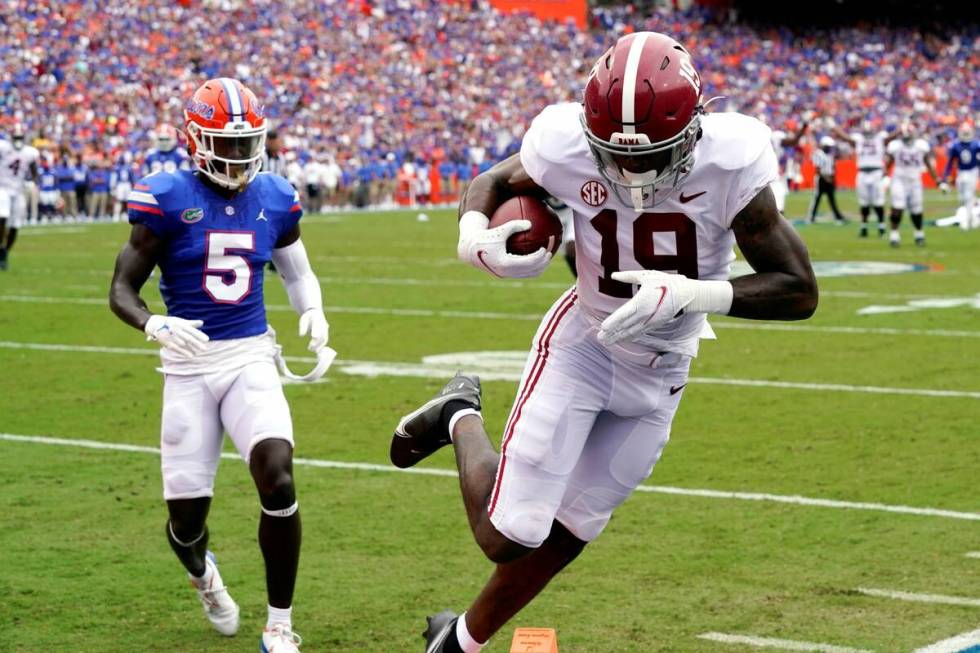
879	409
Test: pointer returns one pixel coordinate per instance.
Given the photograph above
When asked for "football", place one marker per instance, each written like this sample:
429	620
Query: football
545	228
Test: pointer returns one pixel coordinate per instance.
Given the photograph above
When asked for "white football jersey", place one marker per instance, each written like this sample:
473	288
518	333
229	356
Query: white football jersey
688	232
870	150
909	157
15	164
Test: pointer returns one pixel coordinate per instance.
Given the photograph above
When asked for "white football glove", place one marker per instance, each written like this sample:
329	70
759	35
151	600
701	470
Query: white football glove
181	336
314	324
486	249
660	299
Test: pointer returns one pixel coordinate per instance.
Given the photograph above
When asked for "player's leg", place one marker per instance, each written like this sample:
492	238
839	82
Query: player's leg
966	185
619	453
256	415
18	216
190	449
815	202
915	213
899	197
832	199
864	193
4	219
878	200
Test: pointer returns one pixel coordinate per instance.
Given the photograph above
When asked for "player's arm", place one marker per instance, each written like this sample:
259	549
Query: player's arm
302	287
783	286
484	248
792	140
842	135
133	267
951	158
930	161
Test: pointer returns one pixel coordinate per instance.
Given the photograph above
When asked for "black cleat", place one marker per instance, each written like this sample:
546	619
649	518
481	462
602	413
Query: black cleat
3	259
921	242
863	233
439	628
421	433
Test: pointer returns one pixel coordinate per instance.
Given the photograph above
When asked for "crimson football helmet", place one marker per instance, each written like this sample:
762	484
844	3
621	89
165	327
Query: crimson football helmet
226	130
642	116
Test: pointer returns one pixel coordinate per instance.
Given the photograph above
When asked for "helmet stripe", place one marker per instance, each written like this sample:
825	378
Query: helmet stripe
629	81
234	99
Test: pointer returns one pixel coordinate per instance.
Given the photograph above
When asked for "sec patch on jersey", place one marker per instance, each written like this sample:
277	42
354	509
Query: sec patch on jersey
545	228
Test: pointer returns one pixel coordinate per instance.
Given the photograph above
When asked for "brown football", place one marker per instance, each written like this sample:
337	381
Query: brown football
545	228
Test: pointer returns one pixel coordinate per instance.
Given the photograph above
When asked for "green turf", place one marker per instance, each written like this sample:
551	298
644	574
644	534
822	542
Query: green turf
84	565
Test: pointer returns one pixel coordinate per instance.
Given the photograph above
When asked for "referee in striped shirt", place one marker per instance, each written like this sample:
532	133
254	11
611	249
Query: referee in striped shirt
825	162
273	159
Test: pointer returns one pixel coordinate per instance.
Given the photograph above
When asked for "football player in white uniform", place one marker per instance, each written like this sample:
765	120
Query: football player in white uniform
18	166
869	146
910	156
660	194
780	141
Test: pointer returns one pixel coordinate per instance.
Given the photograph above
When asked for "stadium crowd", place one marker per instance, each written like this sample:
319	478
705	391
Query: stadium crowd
367	92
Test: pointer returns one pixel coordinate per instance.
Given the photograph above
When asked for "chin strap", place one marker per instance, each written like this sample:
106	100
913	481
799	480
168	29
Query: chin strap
324	358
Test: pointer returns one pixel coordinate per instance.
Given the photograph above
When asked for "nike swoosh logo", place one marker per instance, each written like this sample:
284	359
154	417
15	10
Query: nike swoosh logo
674	389
479	255
685	200
663	293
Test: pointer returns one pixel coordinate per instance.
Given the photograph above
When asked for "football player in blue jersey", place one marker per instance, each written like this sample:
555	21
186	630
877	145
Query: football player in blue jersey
965	154
211	232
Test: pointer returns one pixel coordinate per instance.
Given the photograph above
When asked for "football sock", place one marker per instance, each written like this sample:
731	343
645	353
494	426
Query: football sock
454	411
464	640
451	643
280	616
204	579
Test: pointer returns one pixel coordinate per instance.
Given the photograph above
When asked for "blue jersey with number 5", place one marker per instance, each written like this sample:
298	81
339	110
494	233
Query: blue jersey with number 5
216	248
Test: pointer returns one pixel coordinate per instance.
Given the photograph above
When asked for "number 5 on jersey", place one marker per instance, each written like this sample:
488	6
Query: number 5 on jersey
227	273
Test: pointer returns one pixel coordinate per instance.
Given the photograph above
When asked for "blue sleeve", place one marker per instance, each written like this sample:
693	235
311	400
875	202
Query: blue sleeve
143	204
285	200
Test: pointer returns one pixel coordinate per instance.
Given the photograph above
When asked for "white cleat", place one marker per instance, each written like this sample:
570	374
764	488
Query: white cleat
279	639
218	605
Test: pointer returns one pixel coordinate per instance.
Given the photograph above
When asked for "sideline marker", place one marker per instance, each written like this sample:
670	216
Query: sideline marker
534	640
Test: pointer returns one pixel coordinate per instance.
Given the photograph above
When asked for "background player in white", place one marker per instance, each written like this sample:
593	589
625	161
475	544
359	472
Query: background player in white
782	140
910	155
964	155
212	232
18	166
165	154
869	147
660	194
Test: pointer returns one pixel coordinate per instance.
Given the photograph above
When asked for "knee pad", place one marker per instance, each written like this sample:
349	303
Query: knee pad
187	481
587	513
527	523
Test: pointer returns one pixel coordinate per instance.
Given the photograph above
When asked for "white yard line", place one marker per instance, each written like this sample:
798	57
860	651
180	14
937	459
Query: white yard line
972	554
919	598
958	644
783	644
656	489
438	371
535	317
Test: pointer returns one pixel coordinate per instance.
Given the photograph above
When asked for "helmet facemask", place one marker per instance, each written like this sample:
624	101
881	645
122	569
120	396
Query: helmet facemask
642	173
230	157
